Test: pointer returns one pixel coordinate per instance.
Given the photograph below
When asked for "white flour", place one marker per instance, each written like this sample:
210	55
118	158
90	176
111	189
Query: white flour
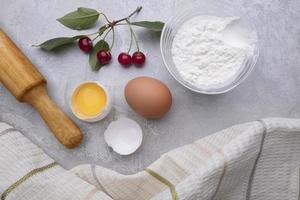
206	52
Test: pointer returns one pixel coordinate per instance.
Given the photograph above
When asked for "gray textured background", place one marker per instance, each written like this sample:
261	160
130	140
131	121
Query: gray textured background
271	90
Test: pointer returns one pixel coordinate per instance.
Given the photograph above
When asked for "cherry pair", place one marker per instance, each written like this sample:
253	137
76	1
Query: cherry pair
86	45
138	59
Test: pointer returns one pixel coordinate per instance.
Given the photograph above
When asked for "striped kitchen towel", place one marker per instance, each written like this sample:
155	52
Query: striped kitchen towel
253	161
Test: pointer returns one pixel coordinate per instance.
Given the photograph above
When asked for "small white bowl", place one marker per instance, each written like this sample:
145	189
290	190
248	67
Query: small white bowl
98	116
186	12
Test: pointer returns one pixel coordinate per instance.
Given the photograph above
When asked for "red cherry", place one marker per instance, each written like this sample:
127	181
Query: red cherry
85	44
103	57
124	59
138	58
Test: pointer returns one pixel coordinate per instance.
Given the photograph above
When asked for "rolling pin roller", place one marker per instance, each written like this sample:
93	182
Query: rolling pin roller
27	84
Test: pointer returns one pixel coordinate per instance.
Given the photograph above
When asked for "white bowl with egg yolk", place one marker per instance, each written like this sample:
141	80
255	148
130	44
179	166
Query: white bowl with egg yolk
90	101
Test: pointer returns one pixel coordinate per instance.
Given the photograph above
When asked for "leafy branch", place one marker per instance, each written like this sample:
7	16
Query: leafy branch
84	18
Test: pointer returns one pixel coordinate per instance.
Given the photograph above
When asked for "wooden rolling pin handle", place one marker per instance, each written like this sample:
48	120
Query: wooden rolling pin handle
27	84
65	130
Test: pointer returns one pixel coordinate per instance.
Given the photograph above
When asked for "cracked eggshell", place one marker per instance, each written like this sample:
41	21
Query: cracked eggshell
124	136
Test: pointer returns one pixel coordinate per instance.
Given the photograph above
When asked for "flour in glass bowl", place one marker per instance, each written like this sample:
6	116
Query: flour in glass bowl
209	51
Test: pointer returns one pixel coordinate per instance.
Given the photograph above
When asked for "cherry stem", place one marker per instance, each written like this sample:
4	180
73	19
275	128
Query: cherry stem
130	45
106	33
134	36
92	33
113	39
137	10
95	38
106	18
111	25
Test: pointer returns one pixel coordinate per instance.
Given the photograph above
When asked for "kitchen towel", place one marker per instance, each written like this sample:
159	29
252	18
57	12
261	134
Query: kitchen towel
258	160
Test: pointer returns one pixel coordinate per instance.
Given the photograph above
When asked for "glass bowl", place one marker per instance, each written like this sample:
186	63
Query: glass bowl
188	11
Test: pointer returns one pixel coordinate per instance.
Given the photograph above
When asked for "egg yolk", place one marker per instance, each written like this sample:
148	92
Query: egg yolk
89	100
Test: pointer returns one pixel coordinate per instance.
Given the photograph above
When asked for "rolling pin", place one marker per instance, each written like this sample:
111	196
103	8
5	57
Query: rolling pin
28	85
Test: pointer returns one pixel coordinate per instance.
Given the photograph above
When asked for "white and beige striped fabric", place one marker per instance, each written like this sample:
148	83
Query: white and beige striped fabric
253	161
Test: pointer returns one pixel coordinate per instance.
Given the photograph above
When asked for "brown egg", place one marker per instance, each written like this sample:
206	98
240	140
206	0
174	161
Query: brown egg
148	97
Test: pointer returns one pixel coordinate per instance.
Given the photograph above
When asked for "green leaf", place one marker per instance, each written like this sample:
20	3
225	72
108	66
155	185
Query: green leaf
93	55
151	25
82	18
54	43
